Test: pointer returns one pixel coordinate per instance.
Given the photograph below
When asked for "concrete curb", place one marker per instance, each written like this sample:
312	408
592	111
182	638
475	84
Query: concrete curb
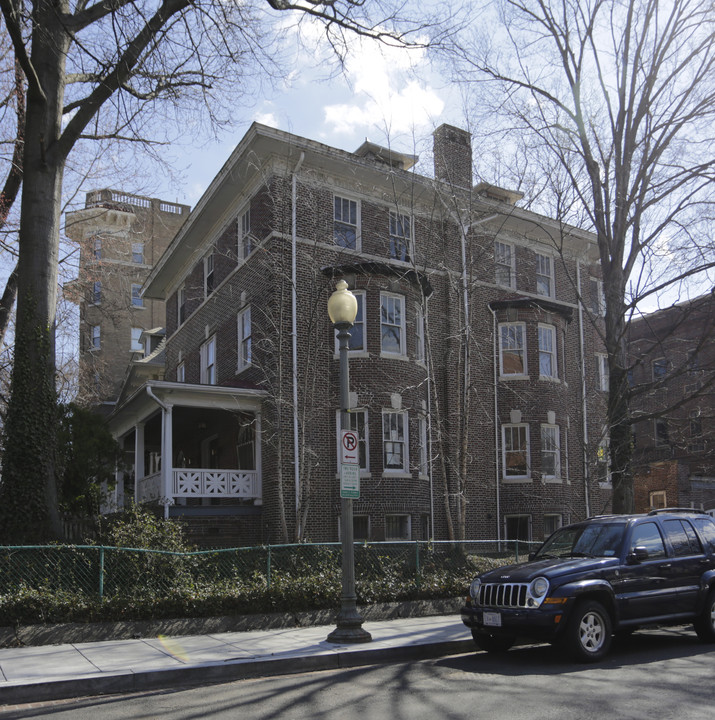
128	682
61	633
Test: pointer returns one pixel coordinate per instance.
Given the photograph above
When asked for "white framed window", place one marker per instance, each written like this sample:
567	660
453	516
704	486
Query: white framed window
516	461
137	299
552	522
597	299
392	324
657	499
97	248
394	442
138	253
512	349
209	277
400	236
96	293
136	339
504	264
95	337
423	458
550	452
517	527
208	362
419	333
548	367
245	342
602	372
181	305
544	275
398	527
357	342
181	372
345	222
245	238
358	424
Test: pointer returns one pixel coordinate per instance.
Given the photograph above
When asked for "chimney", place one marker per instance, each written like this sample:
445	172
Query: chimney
453	156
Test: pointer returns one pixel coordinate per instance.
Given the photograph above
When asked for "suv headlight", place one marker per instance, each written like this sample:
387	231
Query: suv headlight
537	591
474	588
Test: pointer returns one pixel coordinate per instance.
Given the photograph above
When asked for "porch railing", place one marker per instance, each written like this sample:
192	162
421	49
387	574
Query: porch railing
200	483
196	482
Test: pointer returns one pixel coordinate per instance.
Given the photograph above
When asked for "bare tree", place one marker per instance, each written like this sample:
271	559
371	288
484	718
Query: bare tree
616	101
93	70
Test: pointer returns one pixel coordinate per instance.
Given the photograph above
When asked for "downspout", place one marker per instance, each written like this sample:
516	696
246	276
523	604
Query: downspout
166	449
462	499
429	436
294	334
495	361
584	408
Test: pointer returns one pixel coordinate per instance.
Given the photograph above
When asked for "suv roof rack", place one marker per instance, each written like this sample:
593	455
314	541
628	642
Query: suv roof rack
661	511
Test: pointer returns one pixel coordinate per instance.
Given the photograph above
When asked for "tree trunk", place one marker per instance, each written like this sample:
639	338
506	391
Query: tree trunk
28	496
618	414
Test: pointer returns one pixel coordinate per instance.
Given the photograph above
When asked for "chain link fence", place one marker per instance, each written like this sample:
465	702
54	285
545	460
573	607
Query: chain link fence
110	572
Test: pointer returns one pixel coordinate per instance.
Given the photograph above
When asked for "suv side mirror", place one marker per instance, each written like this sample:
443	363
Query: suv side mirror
637	555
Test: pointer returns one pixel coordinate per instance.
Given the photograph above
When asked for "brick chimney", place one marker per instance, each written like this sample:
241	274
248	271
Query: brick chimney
453	155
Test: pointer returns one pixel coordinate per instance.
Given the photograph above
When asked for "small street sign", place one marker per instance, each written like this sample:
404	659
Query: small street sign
349	447
350	481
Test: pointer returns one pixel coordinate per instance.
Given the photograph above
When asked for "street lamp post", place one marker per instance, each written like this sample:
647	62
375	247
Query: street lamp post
342	309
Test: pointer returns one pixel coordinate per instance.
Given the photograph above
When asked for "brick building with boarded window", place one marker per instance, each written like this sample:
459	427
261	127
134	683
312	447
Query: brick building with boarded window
474	375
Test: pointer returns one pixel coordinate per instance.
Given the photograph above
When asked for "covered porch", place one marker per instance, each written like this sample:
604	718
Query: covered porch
188	447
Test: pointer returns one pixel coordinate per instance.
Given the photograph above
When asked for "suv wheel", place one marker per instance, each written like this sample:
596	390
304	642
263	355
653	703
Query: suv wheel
588	632
492	643
705	624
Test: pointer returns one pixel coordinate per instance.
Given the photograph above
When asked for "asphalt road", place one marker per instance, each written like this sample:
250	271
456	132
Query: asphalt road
657	674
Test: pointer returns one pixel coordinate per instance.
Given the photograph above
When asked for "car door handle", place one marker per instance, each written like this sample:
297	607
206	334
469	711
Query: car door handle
665	566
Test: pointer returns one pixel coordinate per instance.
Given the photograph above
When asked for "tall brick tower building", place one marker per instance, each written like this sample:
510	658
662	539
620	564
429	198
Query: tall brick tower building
120	238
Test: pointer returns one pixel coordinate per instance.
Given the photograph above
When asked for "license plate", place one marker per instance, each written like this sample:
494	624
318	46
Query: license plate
491	619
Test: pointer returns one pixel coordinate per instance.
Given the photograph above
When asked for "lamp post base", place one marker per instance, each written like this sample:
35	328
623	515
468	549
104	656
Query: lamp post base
349	628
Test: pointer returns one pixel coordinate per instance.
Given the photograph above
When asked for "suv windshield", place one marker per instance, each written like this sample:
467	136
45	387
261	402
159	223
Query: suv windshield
592	540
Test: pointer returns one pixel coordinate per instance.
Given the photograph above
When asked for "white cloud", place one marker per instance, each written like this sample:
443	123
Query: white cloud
388	92
268	118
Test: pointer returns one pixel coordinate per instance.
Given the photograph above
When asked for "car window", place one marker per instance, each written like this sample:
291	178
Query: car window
648	536
683	542
707	530
599	539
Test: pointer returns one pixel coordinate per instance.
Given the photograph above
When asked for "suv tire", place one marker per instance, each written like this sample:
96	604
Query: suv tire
705	624
492	643
588	631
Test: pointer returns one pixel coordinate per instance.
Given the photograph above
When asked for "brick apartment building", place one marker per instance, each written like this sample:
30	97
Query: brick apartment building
673	381
474	368
120	238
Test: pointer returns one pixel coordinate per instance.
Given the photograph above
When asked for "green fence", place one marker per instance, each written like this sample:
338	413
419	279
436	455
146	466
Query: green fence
110	572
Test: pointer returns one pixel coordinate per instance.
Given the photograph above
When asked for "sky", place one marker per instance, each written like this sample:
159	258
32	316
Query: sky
387	95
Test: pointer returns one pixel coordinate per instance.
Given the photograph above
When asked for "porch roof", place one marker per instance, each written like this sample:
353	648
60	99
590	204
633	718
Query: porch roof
147	400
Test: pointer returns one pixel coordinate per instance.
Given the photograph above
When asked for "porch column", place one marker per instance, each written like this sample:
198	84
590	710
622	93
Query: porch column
139	470
119	490
259	458
167	455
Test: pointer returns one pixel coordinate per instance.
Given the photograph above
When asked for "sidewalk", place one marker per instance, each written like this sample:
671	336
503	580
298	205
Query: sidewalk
52	672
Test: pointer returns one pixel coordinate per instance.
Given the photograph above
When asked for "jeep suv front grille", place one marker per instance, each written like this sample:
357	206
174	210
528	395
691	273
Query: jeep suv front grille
502	595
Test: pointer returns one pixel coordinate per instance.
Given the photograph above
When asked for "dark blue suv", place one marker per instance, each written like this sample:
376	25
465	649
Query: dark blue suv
598	577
